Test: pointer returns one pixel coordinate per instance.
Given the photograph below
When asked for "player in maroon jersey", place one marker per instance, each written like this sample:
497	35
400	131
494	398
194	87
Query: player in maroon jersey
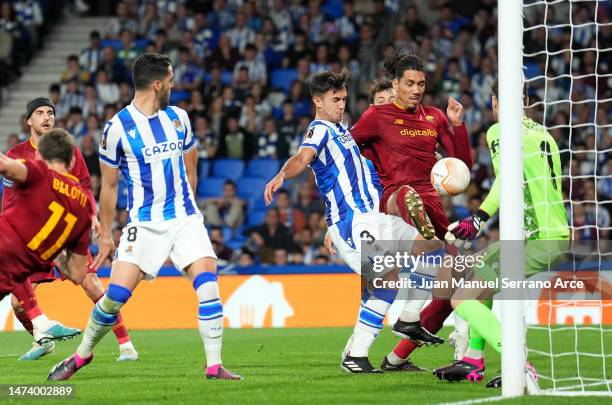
40	116
57	210
407	134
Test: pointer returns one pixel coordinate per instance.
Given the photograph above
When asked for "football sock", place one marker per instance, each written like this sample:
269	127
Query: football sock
461	326
477	342
25	321
483	321
394	359
370	321
119	329
421	278
103	318
41	322
432	319
210	318
25	295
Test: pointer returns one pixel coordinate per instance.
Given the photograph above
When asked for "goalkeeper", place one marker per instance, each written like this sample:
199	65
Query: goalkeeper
547	237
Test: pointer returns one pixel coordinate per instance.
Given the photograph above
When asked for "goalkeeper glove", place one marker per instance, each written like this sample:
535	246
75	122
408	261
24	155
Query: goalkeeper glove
465	231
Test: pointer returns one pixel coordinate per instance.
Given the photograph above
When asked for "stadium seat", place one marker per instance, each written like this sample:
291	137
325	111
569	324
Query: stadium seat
228	168
250	187
532	69
203	168
264	168
256	217
333	9
282	78
235	243
210	187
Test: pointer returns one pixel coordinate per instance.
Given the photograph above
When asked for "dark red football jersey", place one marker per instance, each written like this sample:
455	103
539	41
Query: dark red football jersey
402	144
50	212
27	151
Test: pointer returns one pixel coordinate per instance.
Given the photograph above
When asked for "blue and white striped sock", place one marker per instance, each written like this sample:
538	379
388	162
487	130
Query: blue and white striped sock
370	321
210	316
103	318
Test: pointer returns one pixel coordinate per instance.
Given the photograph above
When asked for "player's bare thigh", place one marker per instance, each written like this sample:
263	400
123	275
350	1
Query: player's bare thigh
392	204
126	274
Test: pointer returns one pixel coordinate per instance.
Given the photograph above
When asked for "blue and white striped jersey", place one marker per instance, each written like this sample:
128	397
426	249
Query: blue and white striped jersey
149	153
343	177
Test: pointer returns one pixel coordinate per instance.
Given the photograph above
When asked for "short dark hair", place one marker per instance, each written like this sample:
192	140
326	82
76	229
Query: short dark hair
323	82
56	145
495	91
230	182
397	64
378	86
94	35
149	67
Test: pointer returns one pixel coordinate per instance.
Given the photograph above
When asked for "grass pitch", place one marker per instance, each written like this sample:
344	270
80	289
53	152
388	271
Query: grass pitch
279	366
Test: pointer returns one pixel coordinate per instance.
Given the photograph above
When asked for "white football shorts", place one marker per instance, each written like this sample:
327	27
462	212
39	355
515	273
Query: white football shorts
397	235
149	244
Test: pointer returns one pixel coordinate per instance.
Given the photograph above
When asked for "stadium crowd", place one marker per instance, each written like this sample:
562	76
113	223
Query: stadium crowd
241	71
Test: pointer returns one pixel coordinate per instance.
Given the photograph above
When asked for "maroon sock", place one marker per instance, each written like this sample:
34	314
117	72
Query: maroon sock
25	295
434	314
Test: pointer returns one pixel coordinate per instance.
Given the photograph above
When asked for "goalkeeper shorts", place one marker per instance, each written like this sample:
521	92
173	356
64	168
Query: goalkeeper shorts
540	255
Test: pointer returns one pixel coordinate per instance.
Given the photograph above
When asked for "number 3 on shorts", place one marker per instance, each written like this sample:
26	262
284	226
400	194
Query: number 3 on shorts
132	234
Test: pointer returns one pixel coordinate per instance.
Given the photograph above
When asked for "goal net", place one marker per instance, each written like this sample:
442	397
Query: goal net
567	52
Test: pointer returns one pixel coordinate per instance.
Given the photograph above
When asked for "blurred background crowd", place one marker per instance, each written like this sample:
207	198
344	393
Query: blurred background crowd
241	72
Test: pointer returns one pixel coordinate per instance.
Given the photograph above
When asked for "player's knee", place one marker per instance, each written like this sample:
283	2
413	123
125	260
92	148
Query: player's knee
116	296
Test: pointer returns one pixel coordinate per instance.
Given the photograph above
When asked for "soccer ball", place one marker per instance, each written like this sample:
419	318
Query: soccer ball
450	176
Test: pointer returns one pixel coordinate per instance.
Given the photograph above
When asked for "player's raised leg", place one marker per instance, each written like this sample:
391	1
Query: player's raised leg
44	330
124	279
95	291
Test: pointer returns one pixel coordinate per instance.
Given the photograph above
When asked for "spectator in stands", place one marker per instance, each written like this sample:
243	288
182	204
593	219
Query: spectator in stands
91	57
241	83
74	71
269	236
225	56
241	34
108	91
21	51
187	74
92	105
246	258
115	71
293	218
256	68
92	124
172	30
29	13
90	155
121	21
208	140
12	141
223	252
72	97
236	142
220	18
304	240
281	257
316	226
308	200
149	20
128	52
227	210
268	140
75	124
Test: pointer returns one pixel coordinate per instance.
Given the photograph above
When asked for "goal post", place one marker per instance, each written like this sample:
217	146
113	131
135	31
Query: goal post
510	62
558	48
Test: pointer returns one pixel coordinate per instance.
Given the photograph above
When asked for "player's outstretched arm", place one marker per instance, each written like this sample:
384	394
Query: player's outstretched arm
191	168
12	169
292	168
108	201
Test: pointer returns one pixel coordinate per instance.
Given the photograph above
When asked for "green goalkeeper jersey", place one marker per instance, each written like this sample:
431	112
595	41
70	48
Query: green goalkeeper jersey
545	216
